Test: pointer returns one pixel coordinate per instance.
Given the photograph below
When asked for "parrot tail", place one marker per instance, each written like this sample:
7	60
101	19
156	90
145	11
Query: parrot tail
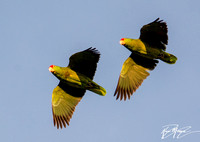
97	89
168	58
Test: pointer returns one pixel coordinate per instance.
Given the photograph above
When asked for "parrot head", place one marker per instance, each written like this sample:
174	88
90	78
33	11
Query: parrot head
51	68
128	43
134	45
122	41
59	72
56	69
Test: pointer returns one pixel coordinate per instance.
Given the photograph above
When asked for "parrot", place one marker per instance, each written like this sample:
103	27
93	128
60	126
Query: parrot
145	53
75	79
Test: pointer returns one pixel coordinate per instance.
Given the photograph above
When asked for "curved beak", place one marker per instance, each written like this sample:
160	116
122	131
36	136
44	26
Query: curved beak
121	42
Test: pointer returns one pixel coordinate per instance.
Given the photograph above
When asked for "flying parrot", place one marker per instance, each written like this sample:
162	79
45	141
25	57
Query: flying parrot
75	79
146	51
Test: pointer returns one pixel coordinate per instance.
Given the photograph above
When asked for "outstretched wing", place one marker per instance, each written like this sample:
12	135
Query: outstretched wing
64	100
155	34
134	71
85	62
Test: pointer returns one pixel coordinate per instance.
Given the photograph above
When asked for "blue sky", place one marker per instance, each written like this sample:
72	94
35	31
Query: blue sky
36	34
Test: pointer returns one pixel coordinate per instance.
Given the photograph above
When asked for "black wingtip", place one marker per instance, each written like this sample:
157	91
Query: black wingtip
93	50
159	21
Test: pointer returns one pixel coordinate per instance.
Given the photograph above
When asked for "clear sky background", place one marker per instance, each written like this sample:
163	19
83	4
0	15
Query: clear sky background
36	34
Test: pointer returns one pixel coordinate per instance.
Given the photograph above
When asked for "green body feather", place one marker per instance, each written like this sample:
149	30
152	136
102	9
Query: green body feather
74	79
143	49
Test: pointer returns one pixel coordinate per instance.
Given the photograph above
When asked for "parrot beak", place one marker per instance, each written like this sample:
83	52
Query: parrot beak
122	41
51	69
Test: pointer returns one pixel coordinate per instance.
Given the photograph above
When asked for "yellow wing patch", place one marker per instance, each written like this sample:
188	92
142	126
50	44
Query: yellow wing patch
131	77
63	106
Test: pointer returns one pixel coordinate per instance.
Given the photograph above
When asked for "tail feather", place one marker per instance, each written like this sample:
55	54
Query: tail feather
97	89
100	90
168	58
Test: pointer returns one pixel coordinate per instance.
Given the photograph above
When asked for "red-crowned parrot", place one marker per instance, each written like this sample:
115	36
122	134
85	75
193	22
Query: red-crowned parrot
75	79
150	46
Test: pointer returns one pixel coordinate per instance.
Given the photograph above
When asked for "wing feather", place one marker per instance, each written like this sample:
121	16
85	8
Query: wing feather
85	62
134	71
64	103
155	34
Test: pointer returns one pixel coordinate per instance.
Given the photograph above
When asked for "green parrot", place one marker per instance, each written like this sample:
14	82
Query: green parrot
75	79
150	46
